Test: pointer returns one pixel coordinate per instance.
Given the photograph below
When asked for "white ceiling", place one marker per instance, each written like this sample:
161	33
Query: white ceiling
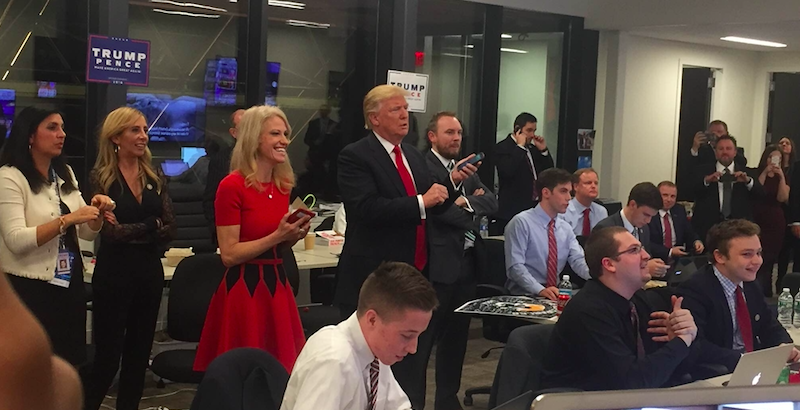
693	21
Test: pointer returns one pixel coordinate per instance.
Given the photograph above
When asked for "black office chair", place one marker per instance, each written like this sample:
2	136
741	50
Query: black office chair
491	282
520	366
323	281
192	230
193	285
242	379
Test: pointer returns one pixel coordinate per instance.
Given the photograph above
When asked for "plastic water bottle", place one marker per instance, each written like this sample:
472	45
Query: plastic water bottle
796	320
785	307
564	293
484	227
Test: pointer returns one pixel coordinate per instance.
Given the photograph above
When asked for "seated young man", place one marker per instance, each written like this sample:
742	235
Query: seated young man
347	366
539	244
728	305
597	343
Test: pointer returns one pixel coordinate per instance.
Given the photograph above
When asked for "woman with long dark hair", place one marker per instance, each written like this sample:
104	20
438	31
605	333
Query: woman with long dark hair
128	278
768	213
42	215
790	242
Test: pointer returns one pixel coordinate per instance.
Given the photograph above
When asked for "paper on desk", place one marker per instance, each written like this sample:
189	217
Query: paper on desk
328	234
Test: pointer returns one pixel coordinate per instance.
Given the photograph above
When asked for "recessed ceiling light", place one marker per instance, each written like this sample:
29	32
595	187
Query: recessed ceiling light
184	13
288	4
753	41
308	24
506	36
199	6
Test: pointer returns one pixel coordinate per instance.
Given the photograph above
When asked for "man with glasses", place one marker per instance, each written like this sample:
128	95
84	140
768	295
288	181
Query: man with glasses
598	342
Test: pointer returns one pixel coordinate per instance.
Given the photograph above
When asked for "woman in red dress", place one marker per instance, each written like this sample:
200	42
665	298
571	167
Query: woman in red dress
254	305
768	213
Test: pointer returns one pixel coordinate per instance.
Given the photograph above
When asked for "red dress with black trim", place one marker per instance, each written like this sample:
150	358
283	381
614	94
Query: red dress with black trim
254	305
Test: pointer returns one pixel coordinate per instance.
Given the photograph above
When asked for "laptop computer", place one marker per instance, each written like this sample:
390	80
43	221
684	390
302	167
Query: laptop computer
683	268
522	402
762	367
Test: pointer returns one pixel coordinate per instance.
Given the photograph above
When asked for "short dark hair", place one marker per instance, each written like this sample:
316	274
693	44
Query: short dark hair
523	119
601	244
394	287
666	183
720	235
576	176
728	137
433	124
551	178
646	194
719	122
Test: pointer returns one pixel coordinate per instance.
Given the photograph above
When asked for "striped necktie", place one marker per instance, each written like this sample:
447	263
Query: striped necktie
372	395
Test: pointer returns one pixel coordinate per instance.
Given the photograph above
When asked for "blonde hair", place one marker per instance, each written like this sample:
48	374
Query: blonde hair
377	95
107	165
245	154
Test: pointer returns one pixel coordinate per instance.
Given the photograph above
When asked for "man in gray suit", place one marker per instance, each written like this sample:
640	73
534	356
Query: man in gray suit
454	254
644	201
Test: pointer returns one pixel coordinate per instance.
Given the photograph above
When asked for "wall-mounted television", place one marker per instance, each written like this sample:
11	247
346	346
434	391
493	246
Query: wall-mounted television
8	101
273	72
219	85
181	119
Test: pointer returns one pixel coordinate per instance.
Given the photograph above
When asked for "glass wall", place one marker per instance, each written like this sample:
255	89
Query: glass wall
318	60
43	62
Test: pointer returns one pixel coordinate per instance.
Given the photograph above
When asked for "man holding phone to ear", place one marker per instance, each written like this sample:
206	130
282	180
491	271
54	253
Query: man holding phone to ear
519	158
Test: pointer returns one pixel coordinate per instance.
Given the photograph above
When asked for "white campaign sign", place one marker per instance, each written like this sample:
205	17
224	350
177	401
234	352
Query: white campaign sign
415	84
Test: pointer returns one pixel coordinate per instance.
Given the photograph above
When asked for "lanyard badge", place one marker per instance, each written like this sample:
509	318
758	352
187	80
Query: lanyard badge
65	258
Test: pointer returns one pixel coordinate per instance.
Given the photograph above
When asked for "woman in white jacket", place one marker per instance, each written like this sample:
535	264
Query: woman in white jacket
42	214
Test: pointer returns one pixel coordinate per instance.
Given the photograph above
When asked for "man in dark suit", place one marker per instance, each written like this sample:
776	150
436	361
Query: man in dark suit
219	165
727	305
388	194
723	190
644	201
519	159
671	234
320	137
456	253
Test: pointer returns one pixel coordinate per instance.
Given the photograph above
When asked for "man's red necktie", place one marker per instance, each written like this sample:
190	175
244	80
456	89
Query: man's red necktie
587	226
552	255
421	250
667	232
743	319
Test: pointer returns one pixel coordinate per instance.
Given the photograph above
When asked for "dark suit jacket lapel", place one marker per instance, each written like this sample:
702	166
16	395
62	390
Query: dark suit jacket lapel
678	227
418	168
717	295
385	162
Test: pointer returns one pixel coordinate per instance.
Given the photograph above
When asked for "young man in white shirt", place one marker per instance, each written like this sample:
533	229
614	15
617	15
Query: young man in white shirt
347	366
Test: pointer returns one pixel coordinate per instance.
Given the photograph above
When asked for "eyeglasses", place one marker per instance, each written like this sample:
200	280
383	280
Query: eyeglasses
633	250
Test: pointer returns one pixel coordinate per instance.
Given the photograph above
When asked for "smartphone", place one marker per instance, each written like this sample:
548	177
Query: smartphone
295	216
474	160
776	161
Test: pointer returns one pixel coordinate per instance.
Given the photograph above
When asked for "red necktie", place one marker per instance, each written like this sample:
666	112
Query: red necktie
587	226
552	254
374	370
420	251
667	232
743	318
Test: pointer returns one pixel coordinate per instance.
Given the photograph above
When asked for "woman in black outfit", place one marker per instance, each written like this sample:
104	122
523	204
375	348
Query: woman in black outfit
790	244
128	278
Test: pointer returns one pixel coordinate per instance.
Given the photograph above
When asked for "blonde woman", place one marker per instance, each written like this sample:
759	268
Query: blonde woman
254	305
128	278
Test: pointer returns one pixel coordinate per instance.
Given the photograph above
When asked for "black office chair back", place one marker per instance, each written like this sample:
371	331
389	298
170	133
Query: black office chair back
495	274
520	366
196	279
242	379
791	281
325	225
192	227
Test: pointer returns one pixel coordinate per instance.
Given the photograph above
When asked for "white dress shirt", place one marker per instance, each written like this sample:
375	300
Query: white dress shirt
449	164
721	169
661	214
574	215
629	226
389	147
332	373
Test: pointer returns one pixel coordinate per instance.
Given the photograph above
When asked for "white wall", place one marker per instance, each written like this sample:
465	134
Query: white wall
638	103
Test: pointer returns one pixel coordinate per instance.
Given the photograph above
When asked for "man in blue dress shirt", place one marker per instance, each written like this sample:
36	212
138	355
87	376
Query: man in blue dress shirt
538	244
583	213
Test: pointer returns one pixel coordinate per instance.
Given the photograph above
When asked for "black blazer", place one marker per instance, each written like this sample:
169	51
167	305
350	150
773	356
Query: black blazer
704	297
446	230
382	219
515	178
706	205
616	220
684	233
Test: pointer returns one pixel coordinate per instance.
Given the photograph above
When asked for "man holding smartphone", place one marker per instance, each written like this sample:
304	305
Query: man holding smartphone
519	158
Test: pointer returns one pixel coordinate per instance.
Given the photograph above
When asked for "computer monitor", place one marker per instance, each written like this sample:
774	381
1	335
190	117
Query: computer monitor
8	101
180	119
190	155
174	167
775	397
273	72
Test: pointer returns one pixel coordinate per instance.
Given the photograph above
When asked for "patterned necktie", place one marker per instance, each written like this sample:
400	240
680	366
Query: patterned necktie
667	232
635	322
727	191
743	319
552	254
420	250
587	225
529	160
374	370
